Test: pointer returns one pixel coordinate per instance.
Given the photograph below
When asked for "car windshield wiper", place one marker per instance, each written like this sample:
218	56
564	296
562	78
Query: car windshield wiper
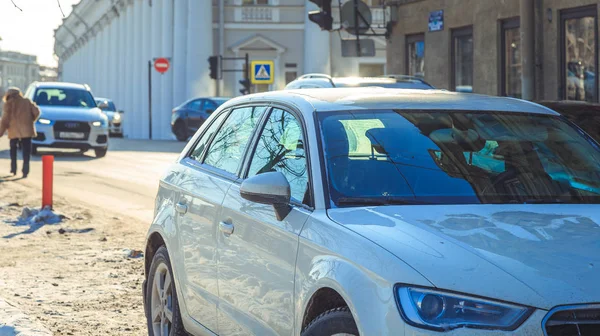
376	201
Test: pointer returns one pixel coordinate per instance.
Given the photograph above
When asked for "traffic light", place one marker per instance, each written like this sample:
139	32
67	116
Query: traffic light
213	62
245	86
323	16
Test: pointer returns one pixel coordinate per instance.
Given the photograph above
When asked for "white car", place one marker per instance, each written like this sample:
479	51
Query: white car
69	118
115	117
378	212
319	81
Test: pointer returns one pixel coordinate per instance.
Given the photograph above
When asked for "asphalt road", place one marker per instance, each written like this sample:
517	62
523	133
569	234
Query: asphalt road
125	181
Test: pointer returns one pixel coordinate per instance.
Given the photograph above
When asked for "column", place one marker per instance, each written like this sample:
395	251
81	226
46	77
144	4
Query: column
180	51
136	115
119	76
128	73
92	64
113	60
147	55
167	78
98	82
156	52
317	48
200	42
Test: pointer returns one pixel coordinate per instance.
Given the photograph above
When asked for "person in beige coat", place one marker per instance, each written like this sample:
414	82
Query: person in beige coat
19	117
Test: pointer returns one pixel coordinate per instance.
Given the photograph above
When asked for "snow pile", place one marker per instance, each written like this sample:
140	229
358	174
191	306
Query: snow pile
31	216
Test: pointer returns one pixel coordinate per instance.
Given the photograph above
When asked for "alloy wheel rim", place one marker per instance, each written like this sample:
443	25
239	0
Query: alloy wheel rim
162	301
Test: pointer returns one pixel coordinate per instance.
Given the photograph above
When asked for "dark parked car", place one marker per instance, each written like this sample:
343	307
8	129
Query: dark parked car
583	114
189	116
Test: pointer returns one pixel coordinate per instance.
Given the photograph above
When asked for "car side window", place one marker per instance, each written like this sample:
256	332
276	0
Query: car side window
281	148
210	105
227	149
195	105
201	145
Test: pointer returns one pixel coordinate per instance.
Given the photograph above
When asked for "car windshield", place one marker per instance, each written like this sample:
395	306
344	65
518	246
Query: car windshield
64	97
457	157
111	106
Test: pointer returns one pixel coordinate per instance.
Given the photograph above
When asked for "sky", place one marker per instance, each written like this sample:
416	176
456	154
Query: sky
31	31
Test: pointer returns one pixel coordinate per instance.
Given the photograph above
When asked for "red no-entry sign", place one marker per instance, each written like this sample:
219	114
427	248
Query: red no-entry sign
161	65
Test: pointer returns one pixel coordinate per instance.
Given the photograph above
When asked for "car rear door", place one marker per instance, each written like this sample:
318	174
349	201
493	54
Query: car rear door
213	166
257	253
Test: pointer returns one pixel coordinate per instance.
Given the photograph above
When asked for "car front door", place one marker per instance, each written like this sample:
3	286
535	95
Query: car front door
257	253
195	116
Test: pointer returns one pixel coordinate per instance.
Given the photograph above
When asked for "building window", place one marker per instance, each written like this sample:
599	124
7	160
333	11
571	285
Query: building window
290	76
371	70
415	55
462	59
510	58
579	58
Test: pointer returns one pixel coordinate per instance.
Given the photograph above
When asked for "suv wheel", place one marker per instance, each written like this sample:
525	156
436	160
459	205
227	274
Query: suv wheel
337	321
162	308
180	131
100	152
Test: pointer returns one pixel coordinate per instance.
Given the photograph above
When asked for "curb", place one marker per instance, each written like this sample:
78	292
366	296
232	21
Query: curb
14	323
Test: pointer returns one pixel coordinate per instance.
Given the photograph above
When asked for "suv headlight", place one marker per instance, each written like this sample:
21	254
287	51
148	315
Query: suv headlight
432	309
100	123
117	116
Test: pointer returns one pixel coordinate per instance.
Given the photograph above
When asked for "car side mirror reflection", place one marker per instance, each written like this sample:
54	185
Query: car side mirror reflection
269	188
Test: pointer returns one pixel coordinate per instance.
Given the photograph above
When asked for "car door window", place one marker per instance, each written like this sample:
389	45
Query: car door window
196	105
210	105
281	148
201	145
229	144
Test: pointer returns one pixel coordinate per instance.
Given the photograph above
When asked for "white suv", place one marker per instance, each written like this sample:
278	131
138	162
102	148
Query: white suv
69	118
378	212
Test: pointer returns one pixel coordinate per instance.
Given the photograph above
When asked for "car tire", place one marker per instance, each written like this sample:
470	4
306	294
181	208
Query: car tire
100	152
161	266
180	131
334	321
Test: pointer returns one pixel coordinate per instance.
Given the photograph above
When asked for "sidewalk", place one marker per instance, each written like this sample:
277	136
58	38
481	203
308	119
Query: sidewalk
14	323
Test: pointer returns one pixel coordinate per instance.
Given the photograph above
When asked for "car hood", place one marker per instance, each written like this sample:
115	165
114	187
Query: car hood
71	113
537	255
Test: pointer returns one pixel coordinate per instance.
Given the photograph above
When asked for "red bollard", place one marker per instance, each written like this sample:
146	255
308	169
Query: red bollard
47	180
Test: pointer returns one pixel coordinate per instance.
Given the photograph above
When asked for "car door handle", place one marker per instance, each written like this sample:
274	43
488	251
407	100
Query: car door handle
181	208
226	228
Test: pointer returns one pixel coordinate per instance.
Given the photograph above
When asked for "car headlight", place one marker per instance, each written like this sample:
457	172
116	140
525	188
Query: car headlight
117	116
44	121
432	309
100	123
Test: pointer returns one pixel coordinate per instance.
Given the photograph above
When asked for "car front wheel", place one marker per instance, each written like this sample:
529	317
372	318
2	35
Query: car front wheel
180	131
162	308
337	321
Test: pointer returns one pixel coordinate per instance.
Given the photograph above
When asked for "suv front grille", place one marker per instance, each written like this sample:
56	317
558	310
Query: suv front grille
72	126
573	321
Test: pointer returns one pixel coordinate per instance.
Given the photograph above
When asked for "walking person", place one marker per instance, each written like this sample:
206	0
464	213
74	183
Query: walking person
19	117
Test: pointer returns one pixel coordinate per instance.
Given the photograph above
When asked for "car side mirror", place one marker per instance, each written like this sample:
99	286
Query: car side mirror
103	106
269	188
121	112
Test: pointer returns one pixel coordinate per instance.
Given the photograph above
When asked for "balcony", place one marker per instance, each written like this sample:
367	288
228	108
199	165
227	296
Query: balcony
256	14
378	15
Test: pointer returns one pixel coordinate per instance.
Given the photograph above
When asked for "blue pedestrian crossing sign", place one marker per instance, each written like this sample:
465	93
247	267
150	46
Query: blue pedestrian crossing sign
262	72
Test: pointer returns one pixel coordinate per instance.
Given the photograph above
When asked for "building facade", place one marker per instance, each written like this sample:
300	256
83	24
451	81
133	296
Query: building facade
17	69
479	49
108	44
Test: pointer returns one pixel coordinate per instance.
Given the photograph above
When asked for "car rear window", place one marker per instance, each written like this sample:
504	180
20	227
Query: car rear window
457	157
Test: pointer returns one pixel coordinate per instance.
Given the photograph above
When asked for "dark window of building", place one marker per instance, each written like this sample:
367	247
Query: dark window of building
462	59
371	70
415	55
510	40
290	76
255	2
579	58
